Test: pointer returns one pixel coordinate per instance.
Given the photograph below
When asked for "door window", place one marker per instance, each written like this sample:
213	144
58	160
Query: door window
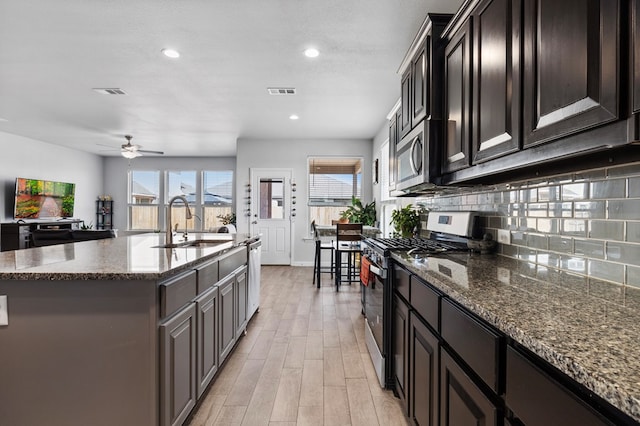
271	198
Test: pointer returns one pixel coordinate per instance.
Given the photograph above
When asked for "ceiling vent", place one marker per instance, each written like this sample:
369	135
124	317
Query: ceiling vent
281	90
111	91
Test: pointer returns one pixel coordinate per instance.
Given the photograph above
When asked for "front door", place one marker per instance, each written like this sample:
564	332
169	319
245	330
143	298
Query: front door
271	213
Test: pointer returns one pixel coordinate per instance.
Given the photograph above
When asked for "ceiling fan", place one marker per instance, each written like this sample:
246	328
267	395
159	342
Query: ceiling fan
129	150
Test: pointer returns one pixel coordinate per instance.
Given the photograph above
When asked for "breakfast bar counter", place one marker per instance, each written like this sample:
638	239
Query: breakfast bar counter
107	332
133	257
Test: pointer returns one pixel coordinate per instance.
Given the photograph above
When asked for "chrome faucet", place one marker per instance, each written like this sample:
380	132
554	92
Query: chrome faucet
169	239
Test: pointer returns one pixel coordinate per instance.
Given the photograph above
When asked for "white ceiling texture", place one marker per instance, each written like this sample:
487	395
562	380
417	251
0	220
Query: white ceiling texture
54	53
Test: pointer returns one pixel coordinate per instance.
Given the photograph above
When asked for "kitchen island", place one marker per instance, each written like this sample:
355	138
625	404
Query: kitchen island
586	330
104	332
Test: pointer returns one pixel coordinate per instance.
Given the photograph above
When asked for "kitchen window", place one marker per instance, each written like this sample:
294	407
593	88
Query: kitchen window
333	182
144	196
182	183
208	192
217	199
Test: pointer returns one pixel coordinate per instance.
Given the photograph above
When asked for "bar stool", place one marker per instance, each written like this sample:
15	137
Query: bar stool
348	237
317	260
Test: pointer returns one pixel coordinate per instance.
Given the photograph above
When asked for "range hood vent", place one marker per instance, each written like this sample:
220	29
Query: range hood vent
110	91
281	90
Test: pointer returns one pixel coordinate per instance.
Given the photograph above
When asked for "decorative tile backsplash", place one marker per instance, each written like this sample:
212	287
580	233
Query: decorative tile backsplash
585	223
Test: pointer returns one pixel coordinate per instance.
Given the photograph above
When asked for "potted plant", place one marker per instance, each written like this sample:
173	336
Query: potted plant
359	213
405	220
227	219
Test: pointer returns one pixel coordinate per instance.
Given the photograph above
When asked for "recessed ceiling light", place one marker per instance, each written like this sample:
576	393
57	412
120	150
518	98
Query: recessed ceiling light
170	53
311	53
293	117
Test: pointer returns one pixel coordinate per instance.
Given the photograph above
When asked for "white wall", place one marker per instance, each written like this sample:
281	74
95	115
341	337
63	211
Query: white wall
293	154
29	158
116	171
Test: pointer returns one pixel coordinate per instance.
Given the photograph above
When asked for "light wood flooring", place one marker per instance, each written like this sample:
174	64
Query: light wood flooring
303	361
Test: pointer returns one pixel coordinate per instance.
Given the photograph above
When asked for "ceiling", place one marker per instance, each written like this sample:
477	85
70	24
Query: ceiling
53	53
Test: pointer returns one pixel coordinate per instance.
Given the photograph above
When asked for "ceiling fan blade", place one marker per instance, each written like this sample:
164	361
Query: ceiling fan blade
144	151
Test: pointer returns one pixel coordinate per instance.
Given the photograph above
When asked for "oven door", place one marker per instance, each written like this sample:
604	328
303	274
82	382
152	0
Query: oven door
374	309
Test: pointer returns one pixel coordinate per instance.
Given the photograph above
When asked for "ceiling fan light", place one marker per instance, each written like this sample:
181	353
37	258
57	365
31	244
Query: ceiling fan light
130	154
171	53
311	52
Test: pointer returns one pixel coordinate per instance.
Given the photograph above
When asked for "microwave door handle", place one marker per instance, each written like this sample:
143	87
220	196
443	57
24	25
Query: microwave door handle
412	162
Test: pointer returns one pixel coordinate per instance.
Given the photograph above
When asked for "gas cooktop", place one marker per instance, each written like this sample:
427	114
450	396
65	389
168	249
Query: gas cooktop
422	244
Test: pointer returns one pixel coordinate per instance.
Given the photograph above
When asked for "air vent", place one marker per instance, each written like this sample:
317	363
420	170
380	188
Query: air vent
111	91
281	90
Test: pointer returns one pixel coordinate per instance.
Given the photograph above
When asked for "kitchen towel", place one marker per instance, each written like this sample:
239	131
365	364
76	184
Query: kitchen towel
365	272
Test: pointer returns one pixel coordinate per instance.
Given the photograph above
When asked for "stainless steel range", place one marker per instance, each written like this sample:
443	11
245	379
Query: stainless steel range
449	232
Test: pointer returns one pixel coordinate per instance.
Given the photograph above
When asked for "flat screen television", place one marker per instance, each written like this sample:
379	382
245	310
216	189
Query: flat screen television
43	199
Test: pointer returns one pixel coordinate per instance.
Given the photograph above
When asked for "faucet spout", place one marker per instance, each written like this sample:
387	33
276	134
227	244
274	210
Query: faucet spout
168	227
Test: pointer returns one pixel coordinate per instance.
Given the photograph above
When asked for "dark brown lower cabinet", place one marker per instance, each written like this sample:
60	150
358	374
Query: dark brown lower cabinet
462	402
423	365
226	304
401	350
537	399
207	349
177	366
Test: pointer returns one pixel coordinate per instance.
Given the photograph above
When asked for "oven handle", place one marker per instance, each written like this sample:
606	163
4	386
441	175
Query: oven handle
381	272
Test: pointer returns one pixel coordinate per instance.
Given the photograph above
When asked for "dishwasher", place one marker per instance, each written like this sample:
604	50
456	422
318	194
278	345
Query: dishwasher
253	296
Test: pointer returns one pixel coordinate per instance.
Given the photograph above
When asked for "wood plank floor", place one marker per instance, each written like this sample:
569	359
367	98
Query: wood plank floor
303	362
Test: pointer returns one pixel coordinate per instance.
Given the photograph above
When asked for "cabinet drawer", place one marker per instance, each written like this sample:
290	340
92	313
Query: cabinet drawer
537	399
207	276
477	344
231	261
425	300
401	283
176	292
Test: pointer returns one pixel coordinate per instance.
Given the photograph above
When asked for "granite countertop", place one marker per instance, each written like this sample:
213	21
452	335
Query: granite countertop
133	257
589	330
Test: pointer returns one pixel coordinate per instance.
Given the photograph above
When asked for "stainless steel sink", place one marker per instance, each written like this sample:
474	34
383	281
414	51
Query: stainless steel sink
199	243
203	243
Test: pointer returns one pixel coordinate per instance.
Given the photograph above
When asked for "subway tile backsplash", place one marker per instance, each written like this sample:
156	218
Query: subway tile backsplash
584	224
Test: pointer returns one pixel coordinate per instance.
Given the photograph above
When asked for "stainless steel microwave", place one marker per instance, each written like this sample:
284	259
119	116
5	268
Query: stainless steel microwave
416	159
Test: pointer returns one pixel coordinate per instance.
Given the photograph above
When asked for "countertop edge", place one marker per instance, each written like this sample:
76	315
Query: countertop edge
28	274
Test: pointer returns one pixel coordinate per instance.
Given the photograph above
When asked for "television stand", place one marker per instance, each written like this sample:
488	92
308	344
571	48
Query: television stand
17	235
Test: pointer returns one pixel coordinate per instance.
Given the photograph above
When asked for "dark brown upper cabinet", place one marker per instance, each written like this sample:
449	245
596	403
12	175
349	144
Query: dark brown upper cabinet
457	99
570	69
393	141
635	54
404	125
496	79
421	69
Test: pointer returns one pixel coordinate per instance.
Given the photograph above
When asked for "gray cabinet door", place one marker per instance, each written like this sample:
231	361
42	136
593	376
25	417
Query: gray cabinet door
226	302
241	302
178	366
207	341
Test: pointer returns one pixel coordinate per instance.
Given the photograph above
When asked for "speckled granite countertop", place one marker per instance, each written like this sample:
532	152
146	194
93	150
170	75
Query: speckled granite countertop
133	257
588	330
